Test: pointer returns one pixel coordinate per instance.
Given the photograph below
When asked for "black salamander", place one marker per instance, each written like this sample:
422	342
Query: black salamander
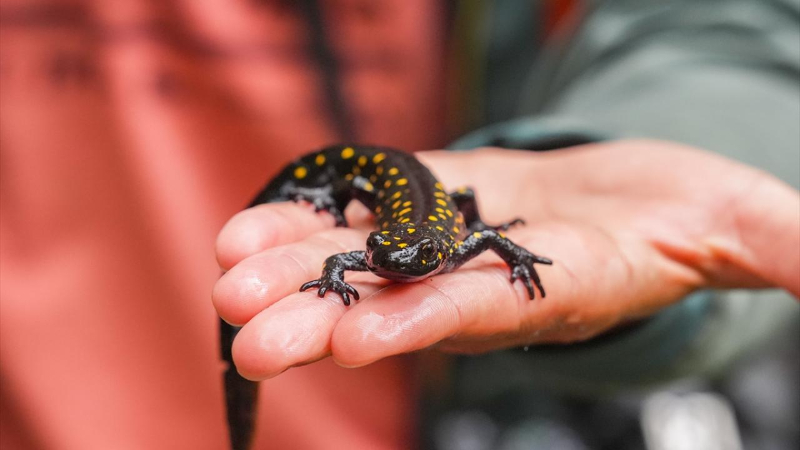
422	231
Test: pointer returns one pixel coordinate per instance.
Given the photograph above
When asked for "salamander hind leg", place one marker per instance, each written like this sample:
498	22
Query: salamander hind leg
519	260
323	198
332	278
464	198
506	225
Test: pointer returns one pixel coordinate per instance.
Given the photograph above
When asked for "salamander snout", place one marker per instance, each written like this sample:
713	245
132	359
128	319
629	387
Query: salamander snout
400	256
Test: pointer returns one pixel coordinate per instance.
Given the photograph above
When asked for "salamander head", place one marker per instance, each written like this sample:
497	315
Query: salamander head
405	253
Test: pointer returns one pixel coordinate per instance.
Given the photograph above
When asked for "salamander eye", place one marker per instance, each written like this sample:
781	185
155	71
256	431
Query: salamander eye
374	240
428	250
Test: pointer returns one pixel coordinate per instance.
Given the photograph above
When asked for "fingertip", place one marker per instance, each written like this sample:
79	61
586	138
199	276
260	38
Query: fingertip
249	360
348	364
265	226
292	332
398	319
243	235
234	294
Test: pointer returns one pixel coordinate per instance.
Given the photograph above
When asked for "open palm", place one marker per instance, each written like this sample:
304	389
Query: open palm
631	226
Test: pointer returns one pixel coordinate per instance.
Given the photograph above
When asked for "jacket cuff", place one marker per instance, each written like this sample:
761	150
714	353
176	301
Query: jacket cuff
531	133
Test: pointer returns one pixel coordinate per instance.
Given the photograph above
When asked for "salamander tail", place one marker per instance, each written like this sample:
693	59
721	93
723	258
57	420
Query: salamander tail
240	394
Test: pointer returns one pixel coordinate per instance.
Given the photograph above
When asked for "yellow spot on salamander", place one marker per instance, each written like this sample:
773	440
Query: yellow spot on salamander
411	230
379	170
396	195
408	203
443	216
300	172
378	158
456	229
449	213
396	238
502	235
438	194
387	183
462	190
433	218
362	160
405	211
439	186
348	153
438	227
387	243
349	176
384	232
477	234
406	220
441	202
402	182
396	204
393	171
385	224
402	245
439	210
424	262
369	187
439	255
320	159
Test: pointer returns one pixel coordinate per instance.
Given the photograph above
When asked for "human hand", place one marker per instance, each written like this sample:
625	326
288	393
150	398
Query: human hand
632	226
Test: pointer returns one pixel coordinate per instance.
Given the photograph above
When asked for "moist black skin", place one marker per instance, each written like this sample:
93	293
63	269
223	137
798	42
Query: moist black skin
422	230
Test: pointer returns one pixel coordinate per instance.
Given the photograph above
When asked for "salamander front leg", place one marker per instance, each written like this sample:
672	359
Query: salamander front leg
324	199
332	278
519	260
464	198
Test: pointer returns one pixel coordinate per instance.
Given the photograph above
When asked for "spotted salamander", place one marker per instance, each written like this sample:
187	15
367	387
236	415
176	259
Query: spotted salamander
422	231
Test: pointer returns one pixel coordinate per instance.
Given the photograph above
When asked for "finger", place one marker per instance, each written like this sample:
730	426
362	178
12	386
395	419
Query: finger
477	309
477	300
410	317
295	331
265	226
264	278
